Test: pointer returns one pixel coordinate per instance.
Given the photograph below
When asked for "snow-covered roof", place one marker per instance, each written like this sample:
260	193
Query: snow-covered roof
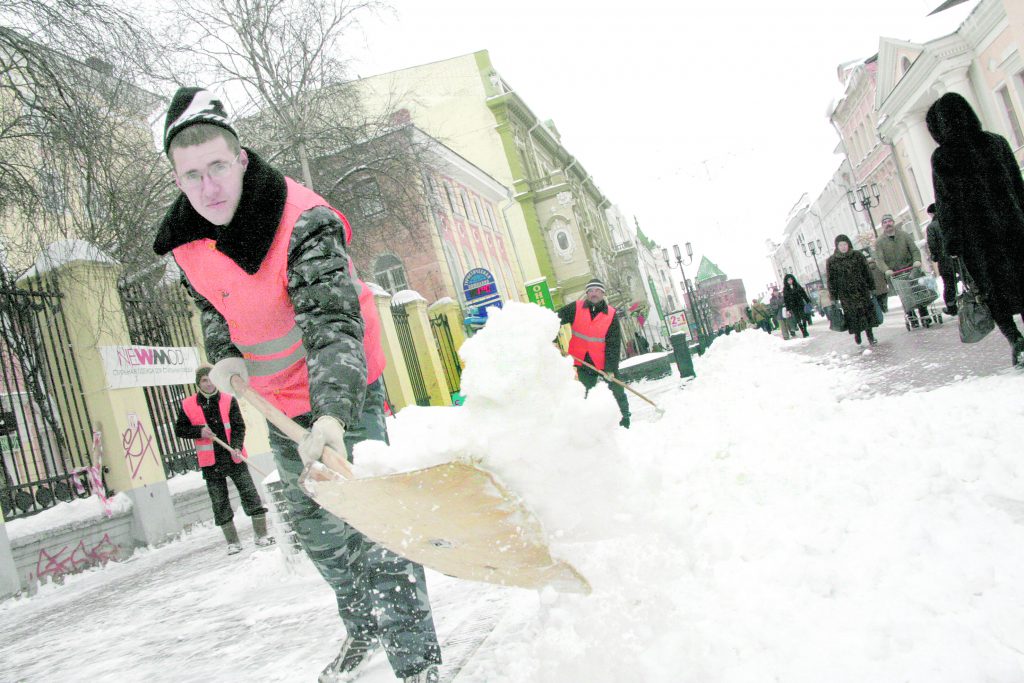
407	296
443	301
64	252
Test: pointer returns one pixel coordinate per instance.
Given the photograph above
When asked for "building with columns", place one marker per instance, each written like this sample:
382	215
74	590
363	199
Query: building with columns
981	60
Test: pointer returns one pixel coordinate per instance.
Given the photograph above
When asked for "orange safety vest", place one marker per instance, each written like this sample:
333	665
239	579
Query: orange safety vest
588	335
260	315
204	447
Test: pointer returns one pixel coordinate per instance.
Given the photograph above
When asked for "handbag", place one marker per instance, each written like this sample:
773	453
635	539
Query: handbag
879	315
837	321
974	318
808	308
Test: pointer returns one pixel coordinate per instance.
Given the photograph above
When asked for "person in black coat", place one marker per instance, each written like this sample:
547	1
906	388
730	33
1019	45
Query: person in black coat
979	202
947	271
850	283
795	298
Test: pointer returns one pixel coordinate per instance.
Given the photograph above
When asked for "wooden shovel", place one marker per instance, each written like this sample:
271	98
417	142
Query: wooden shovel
455	518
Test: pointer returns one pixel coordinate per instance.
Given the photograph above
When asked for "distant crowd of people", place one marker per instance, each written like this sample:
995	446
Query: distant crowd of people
976	236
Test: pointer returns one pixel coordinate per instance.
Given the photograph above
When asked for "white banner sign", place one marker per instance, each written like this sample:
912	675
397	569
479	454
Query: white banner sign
149	366
677	322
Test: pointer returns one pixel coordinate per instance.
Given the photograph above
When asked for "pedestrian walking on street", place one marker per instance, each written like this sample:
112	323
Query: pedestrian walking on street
760	315
849	283
947	270
796	299
266	261
596	333
201	417
895	250
777	306
979	202
881	288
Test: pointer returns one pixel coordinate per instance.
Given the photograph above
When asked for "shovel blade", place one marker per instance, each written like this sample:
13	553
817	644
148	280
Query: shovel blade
454	518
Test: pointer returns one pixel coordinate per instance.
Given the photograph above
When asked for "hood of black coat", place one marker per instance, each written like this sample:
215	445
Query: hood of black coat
247	238
951	119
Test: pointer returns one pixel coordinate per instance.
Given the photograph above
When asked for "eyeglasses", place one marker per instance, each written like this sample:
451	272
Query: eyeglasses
215	171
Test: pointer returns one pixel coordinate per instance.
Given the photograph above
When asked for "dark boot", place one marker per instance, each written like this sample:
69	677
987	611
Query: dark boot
856	337
259	529
1018	352
871	337
231	536
354	652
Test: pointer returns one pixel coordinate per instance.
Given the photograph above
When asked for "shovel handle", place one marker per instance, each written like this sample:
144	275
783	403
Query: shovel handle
246	458
288	426
619	382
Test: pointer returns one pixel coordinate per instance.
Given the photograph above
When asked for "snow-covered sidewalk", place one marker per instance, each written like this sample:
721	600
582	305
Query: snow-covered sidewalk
771	526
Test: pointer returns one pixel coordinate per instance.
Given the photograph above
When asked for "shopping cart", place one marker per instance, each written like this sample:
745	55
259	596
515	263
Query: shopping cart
912	289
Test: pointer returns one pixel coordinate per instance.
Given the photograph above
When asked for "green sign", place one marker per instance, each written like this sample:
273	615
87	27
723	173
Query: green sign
657	299
538	292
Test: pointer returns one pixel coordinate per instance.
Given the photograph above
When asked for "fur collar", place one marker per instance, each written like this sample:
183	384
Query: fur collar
247	238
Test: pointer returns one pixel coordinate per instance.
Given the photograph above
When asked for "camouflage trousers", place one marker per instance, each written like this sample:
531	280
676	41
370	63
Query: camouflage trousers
379	594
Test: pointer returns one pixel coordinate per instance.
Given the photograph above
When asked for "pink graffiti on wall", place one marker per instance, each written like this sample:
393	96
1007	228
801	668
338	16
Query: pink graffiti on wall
80	556
137	444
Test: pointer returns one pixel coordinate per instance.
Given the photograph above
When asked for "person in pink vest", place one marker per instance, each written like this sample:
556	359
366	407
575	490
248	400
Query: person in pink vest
201	417
595	339
266	261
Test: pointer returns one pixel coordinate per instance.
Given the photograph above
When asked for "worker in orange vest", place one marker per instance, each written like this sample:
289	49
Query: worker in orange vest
595	339
211	413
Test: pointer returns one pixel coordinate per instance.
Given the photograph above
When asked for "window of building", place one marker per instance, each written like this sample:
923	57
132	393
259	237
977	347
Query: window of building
478	211
562	237
452	203
1010	112
491	219
904	65
368	198
389	273
464	199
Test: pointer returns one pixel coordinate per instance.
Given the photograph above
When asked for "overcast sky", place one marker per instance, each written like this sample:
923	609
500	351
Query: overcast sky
706	120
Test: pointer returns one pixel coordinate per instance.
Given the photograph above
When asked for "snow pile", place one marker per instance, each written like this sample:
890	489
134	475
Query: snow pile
76	513
771	526
525	419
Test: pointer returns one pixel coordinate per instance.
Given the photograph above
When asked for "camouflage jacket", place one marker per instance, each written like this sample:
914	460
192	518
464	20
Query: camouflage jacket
320	286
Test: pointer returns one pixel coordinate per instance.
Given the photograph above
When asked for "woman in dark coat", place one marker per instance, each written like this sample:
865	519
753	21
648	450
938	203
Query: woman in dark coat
794	297
979	201
850	283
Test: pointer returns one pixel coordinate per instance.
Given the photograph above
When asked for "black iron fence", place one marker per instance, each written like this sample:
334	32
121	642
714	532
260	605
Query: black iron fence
160	314
412	363
446	350
45	430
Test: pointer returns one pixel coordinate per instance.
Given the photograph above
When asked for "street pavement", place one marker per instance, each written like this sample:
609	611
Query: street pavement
903	360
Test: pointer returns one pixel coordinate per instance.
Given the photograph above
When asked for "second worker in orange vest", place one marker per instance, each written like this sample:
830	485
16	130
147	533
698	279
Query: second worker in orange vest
595	339
201	417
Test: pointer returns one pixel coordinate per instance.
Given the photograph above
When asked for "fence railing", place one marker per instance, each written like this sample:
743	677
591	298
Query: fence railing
161	315
45	430
446	350
412	363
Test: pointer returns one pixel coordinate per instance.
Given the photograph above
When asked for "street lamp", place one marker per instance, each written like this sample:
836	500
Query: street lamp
815	249
866	199
701	333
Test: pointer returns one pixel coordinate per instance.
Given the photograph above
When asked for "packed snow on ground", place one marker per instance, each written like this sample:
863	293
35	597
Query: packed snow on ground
770	526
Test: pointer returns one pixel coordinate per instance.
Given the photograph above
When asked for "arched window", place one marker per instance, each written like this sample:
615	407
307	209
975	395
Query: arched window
389	273
904	65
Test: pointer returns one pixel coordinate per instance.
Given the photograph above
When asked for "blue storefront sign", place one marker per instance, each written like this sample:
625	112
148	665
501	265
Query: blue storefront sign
481	292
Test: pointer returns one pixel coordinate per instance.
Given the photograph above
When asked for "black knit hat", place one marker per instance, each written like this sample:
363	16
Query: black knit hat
202	372
190	106
843	238
594	282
